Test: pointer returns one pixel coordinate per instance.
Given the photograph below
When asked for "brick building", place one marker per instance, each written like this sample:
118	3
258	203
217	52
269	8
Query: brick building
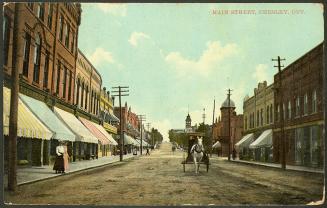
46	60
88	86
220	128
303	107
258	122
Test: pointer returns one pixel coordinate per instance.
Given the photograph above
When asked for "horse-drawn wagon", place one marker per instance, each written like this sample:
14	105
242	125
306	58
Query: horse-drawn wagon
194	151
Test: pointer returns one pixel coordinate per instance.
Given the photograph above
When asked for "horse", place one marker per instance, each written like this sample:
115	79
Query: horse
197	152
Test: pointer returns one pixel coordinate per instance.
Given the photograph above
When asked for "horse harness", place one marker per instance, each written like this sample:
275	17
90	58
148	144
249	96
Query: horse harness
196	149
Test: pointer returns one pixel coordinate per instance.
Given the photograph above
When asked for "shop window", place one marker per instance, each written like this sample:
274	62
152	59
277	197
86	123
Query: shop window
82	95
305	104
61	27
86	96
70	85
58	78
271	113
37	59
64	80
26	60
297	108
267	114
50	15
30	5
314	101
67	33
46	69
289	110
40	11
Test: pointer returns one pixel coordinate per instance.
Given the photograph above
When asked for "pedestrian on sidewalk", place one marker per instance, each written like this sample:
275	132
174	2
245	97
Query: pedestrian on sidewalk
59	162
147	151
234	154
65	156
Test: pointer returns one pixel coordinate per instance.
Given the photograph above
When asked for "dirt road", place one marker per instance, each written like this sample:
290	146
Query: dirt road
159	179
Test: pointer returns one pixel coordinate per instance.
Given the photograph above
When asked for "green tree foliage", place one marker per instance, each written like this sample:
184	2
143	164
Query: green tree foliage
156	135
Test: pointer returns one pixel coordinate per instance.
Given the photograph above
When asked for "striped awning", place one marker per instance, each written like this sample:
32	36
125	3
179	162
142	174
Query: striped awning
245	141
83	134
47	116
28	125
264	140
103	131
91	127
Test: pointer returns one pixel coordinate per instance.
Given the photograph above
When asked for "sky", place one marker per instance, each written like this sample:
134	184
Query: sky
178	58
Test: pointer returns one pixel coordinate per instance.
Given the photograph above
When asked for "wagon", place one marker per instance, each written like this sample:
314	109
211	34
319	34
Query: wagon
189	158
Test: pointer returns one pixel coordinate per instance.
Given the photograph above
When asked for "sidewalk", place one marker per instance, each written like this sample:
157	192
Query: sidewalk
27	175
274	165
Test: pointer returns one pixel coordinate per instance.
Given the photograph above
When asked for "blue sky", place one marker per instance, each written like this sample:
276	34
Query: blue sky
177	55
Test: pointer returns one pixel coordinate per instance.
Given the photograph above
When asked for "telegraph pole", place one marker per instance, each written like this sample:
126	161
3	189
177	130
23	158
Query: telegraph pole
121	90
213	122
280	91
229	136
148	126
12	163
141	118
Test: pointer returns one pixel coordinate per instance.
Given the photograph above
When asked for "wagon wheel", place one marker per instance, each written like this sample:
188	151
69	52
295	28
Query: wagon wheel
207	167
184	167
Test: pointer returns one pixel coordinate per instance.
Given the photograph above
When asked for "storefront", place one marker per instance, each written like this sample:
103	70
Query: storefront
61	132
308	146
32	134
109	150
103	140
262	146
85	145
242	147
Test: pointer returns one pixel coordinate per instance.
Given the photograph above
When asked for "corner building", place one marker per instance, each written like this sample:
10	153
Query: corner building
302	103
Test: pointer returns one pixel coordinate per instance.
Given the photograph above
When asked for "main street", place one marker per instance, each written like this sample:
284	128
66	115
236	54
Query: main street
159	179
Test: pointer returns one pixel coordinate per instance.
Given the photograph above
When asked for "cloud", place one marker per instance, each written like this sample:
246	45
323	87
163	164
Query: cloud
210	59
116	9
260	73
136	37
163	127
100	55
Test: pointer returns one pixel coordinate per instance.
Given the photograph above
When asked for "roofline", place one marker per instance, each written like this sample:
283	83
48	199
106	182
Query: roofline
79	51
300	58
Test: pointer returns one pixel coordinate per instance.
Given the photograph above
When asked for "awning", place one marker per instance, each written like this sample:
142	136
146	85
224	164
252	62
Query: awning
27	123
113	117
95	131
103	131
127	140
245	141
216	145
44	114
76	126
264	140
144	143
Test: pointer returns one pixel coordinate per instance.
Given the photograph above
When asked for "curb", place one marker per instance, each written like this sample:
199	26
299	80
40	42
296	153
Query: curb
273	167
73	172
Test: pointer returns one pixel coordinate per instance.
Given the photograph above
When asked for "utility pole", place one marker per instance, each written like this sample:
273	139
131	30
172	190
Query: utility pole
121	91
141	119
229	136
12	163
148	126
213	122
280	91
